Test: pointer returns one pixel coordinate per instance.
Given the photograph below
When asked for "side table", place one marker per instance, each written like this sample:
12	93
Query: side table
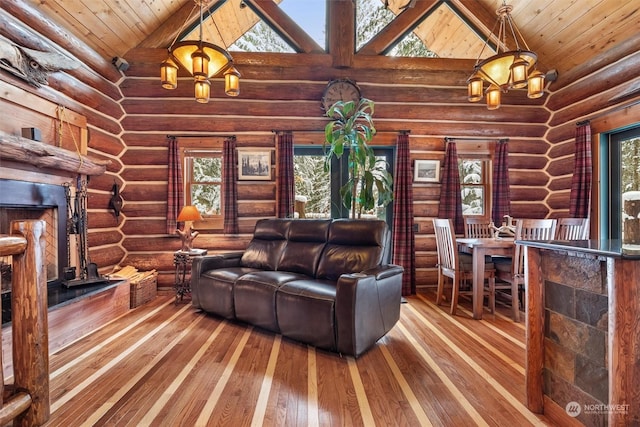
182	261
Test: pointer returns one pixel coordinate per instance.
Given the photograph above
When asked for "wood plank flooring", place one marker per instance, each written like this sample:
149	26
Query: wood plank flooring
164	364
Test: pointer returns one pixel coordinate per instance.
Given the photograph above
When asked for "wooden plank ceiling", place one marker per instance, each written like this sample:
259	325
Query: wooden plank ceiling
564	33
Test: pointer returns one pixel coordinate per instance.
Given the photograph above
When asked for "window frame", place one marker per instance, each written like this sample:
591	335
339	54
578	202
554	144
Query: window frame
483	152
611	210
212	147
339	174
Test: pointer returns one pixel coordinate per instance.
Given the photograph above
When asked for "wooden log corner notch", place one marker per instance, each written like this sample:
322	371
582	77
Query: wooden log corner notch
43	155
31	65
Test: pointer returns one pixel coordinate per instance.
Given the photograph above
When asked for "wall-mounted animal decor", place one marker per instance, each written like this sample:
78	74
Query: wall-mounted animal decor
116	201
31	65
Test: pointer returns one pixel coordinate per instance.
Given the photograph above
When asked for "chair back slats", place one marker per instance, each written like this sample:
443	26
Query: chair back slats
531	229
445	243
477	228
449	265
572	229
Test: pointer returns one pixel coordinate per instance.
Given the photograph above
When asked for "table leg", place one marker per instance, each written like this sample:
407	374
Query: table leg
478	281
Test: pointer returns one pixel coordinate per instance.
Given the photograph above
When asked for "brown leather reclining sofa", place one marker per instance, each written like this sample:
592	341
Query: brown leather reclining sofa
321	282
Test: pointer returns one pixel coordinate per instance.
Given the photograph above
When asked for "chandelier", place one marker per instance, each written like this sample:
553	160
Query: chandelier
507	69
203	61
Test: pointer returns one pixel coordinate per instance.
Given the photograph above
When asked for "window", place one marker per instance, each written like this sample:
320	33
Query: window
620	165
475	185
203	181
322	195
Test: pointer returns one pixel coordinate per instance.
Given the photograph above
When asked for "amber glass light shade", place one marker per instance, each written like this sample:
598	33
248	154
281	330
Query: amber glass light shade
202	91
493	97
169	74
232	82
535	88
519	73
475	87
200	64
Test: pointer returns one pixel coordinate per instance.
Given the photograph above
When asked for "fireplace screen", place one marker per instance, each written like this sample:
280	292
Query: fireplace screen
21	200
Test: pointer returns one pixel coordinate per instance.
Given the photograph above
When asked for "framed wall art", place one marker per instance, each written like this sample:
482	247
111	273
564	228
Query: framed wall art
254	165
426	171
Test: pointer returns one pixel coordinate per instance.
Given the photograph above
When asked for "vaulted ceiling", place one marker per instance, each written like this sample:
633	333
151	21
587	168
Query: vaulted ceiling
564	33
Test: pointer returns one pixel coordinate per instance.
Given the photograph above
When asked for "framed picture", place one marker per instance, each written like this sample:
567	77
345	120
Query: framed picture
426	171
254	165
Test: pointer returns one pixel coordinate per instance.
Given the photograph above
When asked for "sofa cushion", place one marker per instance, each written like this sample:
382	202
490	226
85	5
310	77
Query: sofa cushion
352	246
265	249
306	241
306	312
215	290
254	297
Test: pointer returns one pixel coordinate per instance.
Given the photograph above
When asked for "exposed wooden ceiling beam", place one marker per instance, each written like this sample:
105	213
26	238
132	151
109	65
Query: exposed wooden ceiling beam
402	23
341	27
480	18
284	25
165	34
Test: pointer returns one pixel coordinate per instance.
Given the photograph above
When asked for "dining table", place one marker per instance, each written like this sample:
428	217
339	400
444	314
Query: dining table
479	248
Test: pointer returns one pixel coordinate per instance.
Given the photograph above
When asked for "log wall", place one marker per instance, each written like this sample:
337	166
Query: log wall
128	119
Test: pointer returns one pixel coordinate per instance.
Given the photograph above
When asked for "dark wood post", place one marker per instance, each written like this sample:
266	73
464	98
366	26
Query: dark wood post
30	326
534	331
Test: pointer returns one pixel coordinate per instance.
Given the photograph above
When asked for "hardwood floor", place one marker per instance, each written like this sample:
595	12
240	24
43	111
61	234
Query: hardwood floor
166	364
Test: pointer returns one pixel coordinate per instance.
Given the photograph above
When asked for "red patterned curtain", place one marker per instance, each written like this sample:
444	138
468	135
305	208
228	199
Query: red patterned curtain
450	196
229	184
175	189
580	198
285	183
404	250
500	184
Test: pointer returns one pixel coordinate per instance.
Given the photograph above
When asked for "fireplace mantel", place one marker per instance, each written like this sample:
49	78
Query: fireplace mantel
41	155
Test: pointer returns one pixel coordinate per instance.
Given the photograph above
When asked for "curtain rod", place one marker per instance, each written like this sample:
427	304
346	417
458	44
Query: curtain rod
206	135
470	138
405	131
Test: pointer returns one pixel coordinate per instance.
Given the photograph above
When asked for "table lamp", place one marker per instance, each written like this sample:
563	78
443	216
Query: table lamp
188	214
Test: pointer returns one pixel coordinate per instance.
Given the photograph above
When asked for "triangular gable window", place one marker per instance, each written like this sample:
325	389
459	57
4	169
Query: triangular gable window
371	18
247	31
261	38
311	16
431	37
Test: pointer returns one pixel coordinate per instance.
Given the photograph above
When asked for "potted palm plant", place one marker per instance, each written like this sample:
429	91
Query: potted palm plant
351	130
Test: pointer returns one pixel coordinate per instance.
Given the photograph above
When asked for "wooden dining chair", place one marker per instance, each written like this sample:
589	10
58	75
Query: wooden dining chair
572	229
510	273
458	267
477	227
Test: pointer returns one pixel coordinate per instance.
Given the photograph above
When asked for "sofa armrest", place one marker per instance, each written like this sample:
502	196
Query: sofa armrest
204	263
383	271
367	307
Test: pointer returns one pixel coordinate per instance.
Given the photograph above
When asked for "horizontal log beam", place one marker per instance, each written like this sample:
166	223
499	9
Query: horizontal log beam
12	245
43	155
35	19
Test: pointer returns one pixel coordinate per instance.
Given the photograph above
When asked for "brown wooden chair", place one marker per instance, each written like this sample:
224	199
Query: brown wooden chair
458	267
572	229
477	227
511	272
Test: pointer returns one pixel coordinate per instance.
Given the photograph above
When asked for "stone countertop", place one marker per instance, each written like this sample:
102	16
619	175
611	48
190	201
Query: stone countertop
607	248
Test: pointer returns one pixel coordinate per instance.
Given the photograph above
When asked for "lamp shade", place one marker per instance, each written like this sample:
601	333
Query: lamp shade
232	82
535	87
493	97
519	73
202	91
475	87
169	74
189	213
